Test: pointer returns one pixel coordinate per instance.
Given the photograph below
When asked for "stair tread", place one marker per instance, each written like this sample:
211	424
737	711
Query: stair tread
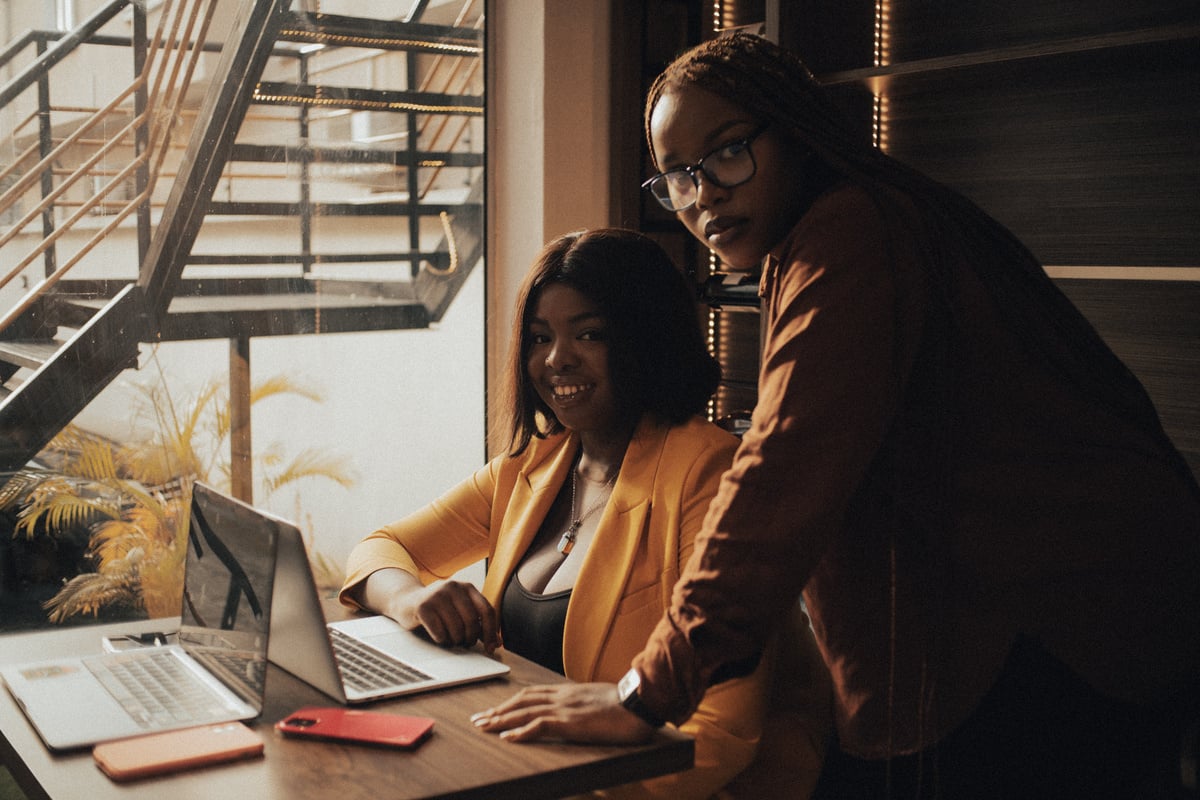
237	316
193	318
353	97
383	208
349	153
379	33
292	301
30	353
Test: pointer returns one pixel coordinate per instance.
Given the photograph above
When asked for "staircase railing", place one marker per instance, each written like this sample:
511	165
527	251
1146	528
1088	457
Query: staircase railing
151	102
80	155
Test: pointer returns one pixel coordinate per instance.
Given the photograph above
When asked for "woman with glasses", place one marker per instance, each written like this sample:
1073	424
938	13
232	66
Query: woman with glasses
998	545
588	519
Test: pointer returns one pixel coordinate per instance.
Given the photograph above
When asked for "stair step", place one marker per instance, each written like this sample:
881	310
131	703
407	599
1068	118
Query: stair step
274	93
236	316
31	353
380	34
437	258
381	208
291	154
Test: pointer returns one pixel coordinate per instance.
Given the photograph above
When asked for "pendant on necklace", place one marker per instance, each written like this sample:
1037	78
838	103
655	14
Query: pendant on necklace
568	538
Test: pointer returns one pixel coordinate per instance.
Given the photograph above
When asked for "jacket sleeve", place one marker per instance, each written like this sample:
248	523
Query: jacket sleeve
728	726
816	428
445	536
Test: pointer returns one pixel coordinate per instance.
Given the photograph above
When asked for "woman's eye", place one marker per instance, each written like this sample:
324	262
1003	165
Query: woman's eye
731	151
538	338
679	179
592	336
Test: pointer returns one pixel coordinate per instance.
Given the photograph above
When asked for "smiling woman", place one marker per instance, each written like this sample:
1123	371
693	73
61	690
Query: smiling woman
567	363
588	518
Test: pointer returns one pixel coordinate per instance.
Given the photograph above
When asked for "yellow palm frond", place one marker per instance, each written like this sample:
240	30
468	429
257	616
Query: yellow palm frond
148	462
89	457
177	441
133	497
113	541
62	510
283	385
90	592
160	578
312	464
157	521
24	481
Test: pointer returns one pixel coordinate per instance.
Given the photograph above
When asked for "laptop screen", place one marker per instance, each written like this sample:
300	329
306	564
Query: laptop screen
228	582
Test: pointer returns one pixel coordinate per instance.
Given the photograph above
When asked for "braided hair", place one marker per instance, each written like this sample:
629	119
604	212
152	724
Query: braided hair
774	86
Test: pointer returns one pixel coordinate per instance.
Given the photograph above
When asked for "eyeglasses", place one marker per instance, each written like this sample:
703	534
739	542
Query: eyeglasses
728	166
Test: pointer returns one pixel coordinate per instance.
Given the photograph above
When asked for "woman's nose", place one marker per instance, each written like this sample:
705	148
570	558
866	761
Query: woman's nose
560	355
708	193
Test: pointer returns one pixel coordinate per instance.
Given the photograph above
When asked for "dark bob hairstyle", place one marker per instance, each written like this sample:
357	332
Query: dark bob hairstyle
658	361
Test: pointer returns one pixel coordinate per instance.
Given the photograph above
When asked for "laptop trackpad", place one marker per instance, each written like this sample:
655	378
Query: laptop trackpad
390	637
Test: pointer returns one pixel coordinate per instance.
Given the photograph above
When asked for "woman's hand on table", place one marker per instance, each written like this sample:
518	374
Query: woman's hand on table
574	712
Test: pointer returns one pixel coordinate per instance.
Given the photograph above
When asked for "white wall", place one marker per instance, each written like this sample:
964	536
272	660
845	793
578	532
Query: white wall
405	407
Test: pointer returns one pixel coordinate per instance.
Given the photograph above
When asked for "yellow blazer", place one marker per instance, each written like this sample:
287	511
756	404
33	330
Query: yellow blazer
643	538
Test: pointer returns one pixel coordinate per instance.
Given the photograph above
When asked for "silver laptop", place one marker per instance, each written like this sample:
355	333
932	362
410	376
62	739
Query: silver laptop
215	673
362	659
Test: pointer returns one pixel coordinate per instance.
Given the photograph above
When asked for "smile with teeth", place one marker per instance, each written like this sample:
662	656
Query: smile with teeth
570	392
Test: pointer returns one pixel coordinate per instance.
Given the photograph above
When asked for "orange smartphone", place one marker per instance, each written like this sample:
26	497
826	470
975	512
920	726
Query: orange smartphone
173	751
332	723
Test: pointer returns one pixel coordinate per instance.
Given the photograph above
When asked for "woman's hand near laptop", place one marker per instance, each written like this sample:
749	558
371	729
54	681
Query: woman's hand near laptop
452	612
455	613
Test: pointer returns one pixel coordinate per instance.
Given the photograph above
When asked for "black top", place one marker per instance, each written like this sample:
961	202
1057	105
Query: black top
533	623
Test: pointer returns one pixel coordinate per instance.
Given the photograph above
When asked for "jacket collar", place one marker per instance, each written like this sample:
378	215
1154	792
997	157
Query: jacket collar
611	557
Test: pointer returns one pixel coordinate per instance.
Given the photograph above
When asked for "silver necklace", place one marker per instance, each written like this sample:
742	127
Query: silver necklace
567	542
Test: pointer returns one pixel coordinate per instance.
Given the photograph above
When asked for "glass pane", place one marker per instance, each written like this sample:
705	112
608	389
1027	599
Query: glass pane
259	265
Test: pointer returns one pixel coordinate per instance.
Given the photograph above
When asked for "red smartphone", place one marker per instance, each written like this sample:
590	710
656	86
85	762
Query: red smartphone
172	751
333	723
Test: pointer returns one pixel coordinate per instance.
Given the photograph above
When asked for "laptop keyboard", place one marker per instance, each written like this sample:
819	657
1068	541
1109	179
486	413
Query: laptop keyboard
156	689
365	669
243	672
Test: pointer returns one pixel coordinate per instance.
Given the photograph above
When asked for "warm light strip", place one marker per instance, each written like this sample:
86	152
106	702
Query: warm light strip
883	33
317	37
366	105
883	56
712	349
879	123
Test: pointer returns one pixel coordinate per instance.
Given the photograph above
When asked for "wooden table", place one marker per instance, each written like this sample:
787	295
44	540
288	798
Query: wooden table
457	761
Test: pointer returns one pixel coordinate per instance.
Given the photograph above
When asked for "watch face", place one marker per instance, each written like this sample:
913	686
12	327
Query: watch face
630	682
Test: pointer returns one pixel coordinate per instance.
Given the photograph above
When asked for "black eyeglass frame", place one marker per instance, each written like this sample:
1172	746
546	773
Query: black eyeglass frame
691	170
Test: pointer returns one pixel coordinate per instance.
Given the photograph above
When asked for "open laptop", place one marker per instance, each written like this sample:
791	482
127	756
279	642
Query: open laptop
362	659
216	672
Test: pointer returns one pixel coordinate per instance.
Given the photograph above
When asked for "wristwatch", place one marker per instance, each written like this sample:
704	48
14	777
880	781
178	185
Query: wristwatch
628	692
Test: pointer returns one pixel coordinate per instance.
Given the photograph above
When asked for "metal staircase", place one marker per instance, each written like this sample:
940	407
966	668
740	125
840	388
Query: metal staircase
312	126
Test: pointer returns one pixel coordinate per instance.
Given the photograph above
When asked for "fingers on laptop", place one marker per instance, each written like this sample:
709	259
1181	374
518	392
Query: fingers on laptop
455	613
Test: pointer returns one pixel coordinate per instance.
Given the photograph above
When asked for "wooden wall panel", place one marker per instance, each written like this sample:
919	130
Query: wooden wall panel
1154	327
921	29
1089	158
